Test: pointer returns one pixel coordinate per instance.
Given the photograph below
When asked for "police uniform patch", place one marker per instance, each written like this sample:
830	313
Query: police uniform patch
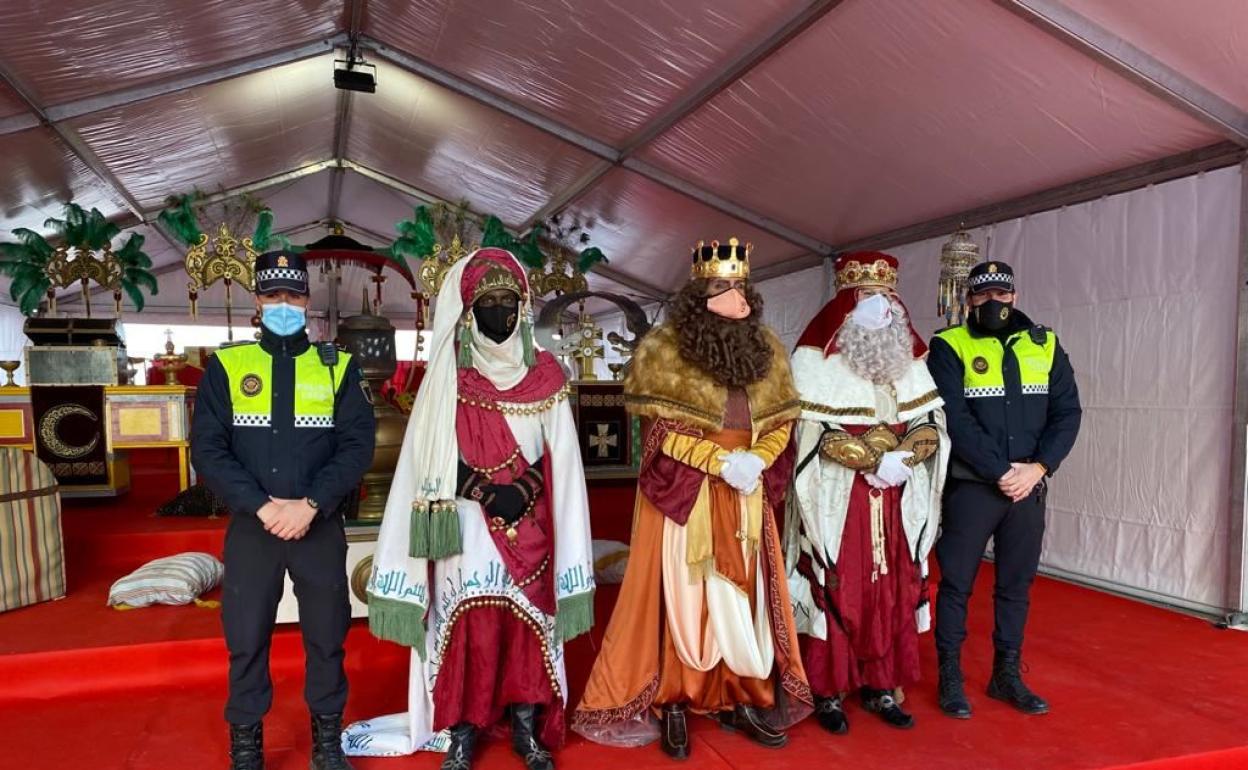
980	365
251	385
1005	313
368	392
992	267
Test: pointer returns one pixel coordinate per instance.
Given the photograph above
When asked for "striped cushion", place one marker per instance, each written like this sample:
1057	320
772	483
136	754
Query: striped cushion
32	563
177	579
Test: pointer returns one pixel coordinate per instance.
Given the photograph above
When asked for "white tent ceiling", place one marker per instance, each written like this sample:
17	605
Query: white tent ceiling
804	127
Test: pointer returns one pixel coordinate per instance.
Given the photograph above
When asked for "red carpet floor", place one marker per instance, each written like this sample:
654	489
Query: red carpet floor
1133	687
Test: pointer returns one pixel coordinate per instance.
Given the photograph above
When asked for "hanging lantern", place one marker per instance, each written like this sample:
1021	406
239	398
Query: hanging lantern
957	257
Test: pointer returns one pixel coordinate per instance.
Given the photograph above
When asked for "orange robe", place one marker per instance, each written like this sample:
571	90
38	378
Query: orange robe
638	667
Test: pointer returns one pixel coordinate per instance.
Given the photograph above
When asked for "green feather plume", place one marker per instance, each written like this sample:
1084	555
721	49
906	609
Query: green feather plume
180	218
589	258
264	229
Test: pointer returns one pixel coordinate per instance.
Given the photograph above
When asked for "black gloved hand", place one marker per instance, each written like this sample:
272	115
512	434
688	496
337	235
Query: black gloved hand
466	479
504	501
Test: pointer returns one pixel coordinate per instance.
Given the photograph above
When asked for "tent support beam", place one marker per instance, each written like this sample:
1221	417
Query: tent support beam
173	85
1237	510
354	11
742	65
779	36
1153	172
583	141
1134	64
84	153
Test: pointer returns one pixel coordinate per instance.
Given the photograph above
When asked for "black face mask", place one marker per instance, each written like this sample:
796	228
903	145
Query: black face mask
496	322
993	316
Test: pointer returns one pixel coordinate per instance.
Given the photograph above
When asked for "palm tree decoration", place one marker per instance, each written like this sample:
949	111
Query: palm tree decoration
84	255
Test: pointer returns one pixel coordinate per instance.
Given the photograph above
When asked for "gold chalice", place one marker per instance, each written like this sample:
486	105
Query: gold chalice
9	367
617	370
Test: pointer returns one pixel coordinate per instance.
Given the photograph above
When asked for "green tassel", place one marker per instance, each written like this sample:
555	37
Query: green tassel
418	544
526	339
465	345
574	616
444	536
397	622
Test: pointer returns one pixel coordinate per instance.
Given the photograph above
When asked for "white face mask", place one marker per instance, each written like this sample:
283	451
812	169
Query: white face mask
873	313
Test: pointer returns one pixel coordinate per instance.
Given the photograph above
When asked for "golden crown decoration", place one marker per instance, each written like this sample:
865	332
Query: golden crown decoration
496	277
853	274
721	260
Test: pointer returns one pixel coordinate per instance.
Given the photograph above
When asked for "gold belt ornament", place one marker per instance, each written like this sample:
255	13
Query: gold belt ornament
863	453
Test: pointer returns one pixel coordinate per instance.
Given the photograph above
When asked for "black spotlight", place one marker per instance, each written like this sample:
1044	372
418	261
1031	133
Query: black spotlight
352	74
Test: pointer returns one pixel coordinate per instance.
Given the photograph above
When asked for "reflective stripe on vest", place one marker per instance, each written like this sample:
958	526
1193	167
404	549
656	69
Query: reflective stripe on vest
982	358
250	372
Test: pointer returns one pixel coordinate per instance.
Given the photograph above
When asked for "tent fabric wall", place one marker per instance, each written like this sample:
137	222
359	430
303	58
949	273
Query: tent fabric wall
1141	290
13	339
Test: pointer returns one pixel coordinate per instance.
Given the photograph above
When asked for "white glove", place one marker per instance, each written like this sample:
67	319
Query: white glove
875	481
742	470
893	471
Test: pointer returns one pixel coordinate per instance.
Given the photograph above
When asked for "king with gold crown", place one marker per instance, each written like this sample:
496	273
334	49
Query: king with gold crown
871	457
703	623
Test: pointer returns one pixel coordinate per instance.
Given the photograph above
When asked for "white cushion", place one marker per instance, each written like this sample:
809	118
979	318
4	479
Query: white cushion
177	579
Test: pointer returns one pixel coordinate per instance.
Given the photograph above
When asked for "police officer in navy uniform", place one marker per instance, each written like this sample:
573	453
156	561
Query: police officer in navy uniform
1013	414
283	432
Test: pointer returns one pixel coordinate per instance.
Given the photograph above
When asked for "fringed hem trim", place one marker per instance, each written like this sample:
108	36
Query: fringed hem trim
574	616
399	622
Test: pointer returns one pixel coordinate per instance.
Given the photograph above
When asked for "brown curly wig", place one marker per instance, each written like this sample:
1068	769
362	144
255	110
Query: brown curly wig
734	353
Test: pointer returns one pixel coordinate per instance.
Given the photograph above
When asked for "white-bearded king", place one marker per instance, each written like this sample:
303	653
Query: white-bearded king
872	452
483	564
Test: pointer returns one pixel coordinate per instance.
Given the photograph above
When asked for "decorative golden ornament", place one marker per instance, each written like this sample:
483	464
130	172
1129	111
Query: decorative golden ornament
854	274
716	260
957	257
433	268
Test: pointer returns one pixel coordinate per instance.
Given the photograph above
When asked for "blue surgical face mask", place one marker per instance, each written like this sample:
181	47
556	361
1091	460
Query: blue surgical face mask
283	319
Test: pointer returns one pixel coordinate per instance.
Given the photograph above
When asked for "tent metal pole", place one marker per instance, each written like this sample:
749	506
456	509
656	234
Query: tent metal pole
1237	512
354	10
1140	67
579	139
92	104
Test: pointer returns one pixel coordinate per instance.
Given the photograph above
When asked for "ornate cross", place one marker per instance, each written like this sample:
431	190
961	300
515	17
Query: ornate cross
604	439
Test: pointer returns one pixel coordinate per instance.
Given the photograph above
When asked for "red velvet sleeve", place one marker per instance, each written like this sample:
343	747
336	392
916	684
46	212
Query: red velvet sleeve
669	485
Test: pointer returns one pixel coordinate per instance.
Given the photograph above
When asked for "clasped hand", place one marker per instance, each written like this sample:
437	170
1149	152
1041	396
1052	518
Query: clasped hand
742	470
892	471
286	519
1020	480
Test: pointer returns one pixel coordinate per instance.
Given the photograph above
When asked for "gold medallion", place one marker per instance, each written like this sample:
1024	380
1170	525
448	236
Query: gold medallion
251	385
980	365
512	534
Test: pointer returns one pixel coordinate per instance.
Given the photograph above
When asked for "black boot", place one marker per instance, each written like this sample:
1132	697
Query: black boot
831	716
247	747
1007	684
463	741
883	703
524	738
747	721
327	743
674	733
952	695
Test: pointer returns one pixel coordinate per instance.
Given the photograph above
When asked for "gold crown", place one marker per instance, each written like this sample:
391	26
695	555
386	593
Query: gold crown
728	260
853	274
496	277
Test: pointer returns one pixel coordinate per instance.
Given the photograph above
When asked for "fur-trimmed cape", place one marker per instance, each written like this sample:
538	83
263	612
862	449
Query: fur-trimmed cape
662	384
